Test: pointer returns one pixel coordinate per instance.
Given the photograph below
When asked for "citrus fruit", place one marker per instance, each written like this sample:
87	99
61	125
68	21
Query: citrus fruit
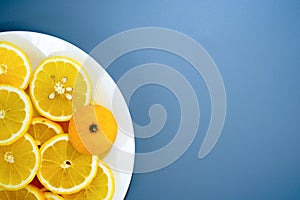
101	188
63	170
15	66
59	87
19	163
15	114
52	196
93	130
42	129
29	192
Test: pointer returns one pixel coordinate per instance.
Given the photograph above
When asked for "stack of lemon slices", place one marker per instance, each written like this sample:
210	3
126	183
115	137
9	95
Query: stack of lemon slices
37	159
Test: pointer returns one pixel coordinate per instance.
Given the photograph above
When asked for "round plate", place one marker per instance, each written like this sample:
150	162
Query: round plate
105	92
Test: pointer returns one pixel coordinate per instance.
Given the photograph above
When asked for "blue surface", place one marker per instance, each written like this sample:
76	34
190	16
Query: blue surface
255	45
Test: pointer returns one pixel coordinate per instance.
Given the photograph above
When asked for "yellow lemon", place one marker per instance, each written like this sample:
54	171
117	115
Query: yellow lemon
15	66
63	170
19	163
15	114
59	87
29	192
42	129
101	188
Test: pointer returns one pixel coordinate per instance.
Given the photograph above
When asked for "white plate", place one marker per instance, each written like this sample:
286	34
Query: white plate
121	157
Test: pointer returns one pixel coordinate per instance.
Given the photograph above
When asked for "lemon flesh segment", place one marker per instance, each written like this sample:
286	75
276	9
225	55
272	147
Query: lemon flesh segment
101	188
29	192
59	87
15	114
15	66
63	170
19	163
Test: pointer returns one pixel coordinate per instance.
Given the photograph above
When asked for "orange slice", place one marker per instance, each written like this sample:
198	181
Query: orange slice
15	114
42	129
19	163
59	87
63	170
15	66
29	192
101	188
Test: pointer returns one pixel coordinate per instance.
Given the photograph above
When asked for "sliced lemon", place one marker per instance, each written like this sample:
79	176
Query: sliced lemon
101	188
42	129
63	170
59	87
19	163
15	114
15	66
29	192
52	196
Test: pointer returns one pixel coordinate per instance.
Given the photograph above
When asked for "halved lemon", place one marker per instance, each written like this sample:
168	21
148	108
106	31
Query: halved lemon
52	196
60	86
15	114
29	192
63	170
19	163
15	66
101	188
42	129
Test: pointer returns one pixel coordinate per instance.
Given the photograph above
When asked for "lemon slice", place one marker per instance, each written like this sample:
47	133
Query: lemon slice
15	114
59	87
19	163
101	188
52	196
42	129
15	66
63	170
29	192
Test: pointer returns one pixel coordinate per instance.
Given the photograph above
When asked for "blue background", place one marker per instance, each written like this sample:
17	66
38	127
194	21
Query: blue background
256	46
